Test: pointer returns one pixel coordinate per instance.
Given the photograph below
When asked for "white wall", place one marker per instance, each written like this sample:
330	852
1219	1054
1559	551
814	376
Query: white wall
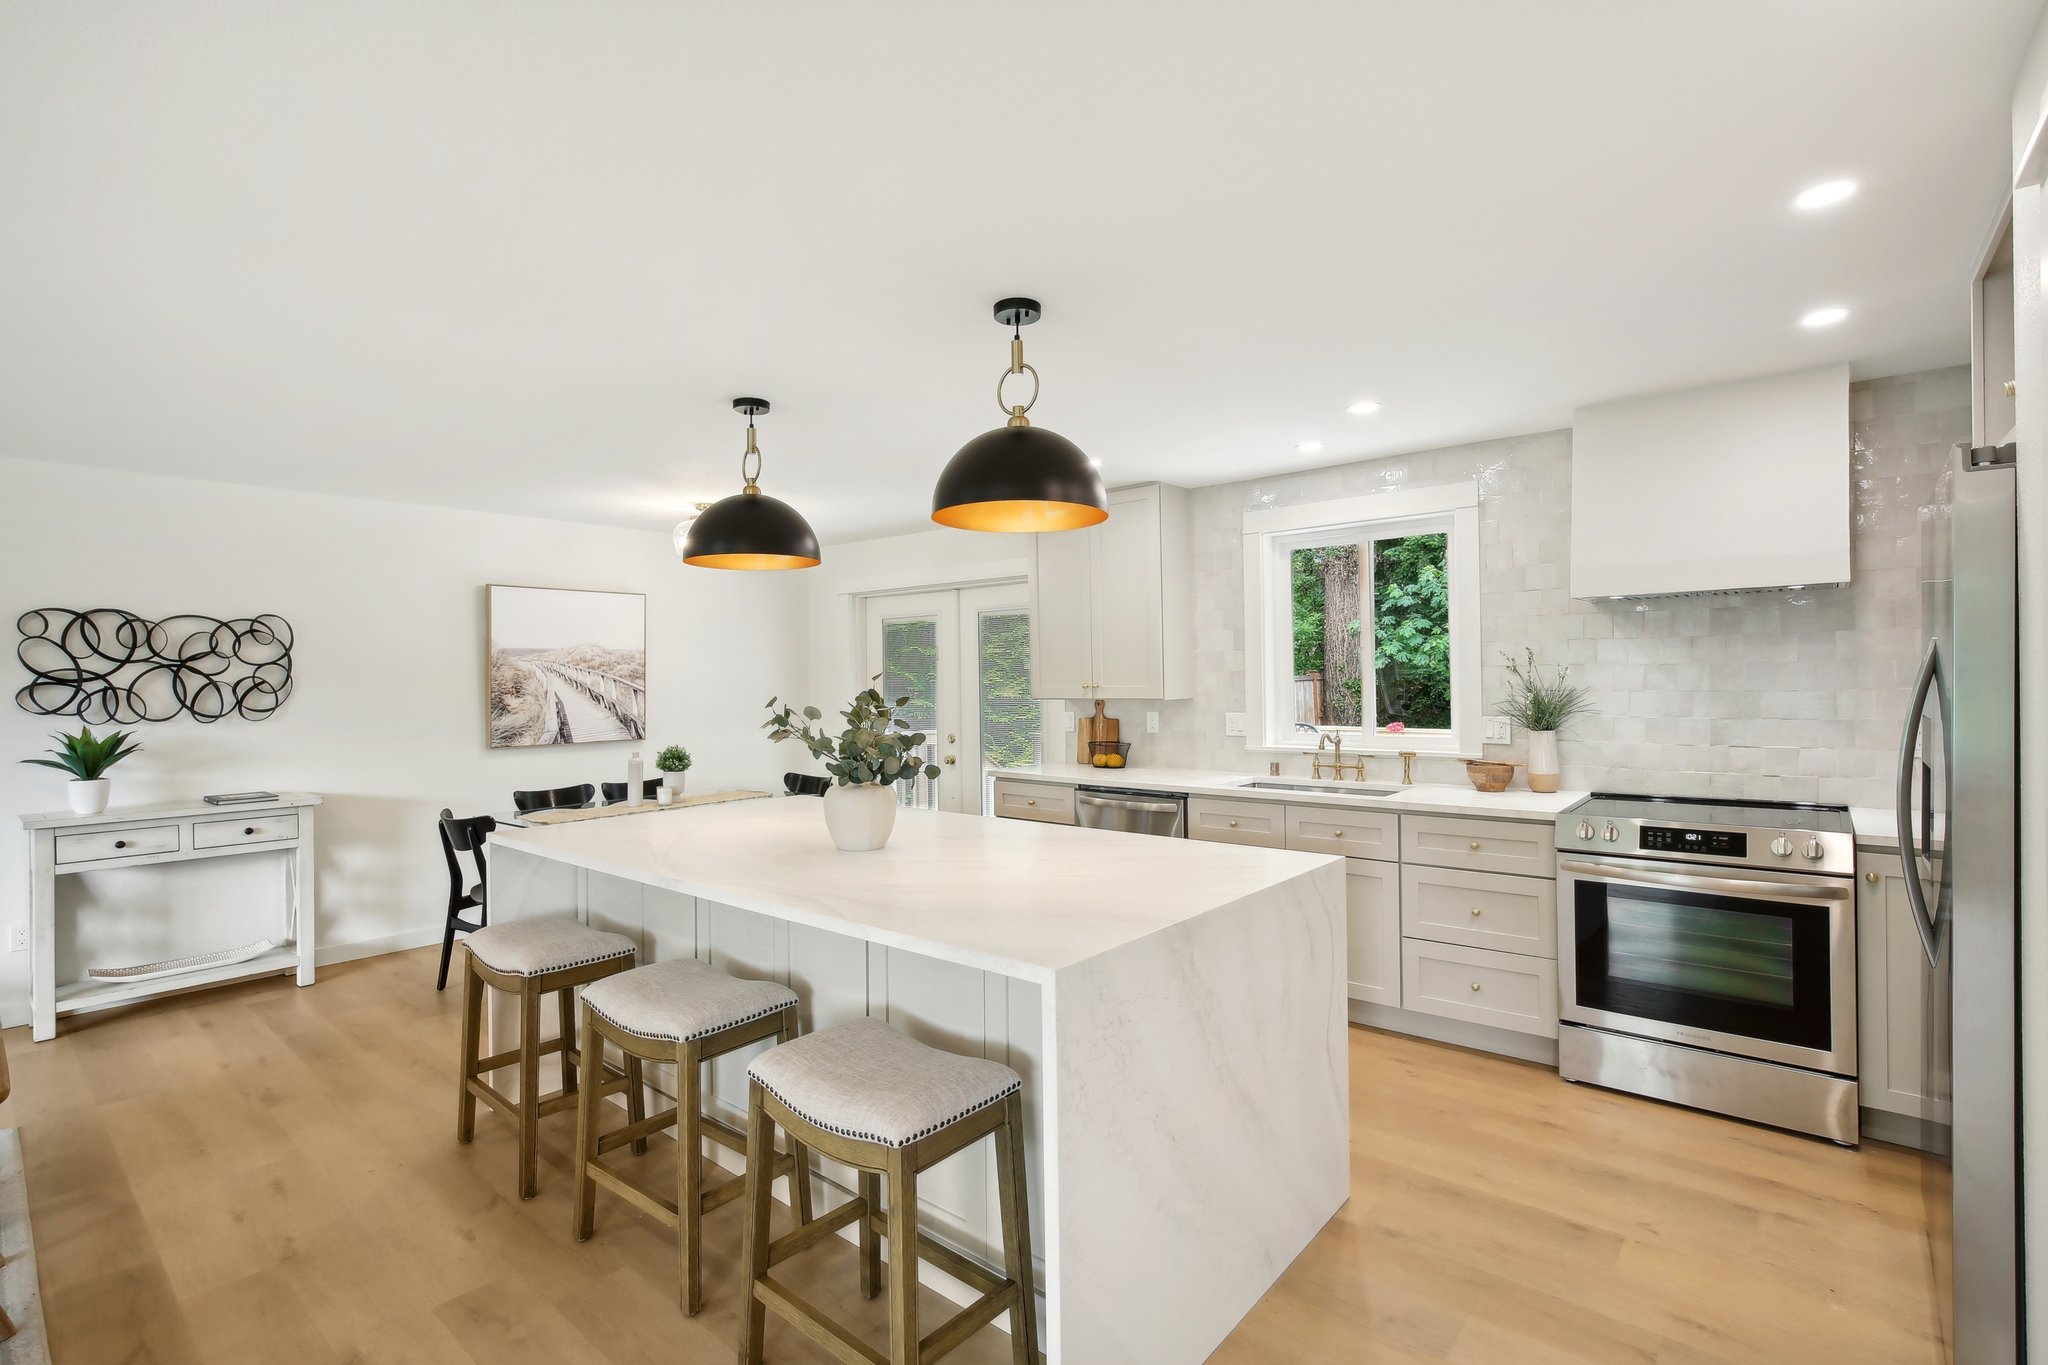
386	717
2030	242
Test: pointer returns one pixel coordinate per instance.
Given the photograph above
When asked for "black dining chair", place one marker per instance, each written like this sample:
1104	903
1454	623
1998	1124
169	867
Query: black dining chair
555	798
615	792
459	837
806	784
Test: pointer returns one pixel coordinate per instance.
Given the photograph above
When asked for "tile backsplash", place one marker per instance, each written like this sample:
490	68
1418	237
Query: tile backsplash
1779	695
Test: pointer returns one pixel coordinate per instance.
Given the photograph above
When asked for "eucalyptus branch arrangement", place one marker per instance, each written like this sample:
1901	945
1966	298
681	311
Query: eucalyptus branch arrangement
87	756
873	749
1537	702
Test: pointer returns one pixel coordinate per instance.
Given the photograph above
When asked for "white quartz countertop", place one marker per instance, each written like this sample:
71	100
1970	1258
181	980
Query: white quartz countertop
1423	798
1008	896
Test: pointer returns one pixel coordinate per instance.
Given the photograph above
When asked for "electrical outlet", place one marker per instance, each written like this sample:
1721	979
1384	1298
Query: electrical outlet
1151	722
1496	731
1233	722
17	939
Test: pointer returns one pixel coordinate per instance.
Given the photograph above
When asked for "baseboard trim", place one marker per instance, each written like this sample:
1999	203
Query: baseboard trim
332	953
1525	1047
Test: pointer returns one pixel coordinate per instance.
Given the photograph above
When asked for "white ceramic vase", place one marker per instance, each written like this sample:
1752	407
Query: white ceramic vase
1543	766
88	798
860	817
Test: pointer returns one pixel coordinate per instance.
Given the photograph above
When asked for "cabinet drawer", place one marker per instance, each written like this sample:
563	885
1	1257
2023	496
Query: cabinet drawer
117	843
1480	909
1034	801
255	829
1505	990
1355	834
1480	845
1260	823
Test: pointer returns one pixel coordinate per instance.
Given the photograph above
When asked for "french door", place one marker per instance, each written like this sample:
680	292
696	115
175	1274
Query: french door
963	657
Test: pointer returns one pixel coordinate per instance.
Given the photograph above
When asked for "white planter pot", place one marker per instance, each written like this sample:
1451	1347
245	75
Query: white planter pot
860	818
88	798
1543	766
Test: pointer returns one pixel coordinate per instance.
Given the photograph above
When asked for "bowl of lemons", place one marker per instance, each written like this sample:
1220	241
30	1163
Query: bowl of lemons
1108	753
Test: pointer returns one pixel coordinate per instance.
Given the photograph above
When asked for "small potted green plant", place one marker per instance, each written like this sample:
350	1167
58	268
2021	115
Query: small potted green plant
1543	705
87	757
866	758
675	760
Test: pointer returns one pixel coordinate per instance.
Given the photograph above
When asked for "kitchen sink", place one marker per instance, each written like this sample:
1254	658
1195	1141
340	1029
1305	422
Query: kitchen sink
1319	788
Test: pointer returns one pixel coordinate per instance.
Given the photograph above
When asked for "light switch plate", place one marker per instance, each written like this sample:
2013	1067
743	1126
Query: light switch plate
1496	731
1151	722
1233	722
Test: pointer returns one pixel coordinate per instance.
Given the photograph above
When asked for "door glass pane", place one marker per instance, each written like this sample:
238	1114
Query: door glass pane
910	668
1012	729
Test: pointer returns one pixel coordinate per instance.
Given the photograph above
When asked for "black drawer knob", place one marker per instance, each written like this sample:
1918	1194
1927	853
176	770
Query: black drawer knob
248	829
120	843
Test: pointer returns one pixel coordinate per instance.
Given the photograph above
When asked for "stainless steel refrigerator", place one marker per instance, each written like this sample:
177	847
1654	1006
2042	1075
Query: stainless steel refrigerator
1958	813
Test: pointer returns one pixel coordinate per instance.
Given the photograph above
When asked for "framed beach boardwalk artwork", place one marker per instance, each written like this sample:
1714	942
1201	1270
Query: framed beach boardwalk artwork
565	666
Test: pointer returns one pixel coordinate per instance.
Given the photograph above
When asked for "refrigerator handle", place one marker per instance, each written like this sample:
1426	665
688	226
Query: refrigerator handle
1909	854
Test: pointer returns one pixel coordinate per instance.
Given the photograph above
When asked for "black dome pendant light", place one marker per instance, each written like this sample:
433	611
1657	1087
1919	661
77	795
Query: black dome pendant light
1019	477
750	530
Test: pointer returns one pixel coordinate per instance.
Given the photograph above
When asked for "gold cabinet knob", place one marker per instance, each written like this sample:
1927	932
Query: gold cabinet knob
1475	912
1030	800
1475	985
1475	845
950	760
1233	824
1870	877
2012	386
1338	834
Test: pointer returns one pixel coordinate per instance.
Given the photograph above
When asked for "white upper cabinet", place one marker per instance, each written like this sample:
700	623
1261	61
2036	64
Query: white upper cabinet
1112	607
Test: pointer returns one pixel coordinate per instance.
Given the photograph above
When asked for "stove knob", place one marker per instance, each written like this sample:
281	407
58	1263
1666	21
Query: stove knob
1586	830
1610	834
1814	852
1782	846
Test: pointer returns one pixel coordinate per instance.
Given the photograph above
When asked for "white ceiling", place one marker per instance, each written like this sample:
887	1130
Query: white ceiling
520	256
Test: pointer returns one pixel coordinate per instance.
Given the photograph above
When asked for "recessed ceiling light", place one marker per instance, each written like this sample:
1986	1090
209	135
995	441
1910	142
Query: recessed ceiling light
1310	447
1364	407
1825	195
1824	317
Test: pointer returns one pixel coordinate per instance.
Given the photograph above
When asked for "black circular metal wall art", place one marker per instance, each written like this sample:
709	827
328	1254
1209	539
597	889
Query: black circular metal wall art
107	666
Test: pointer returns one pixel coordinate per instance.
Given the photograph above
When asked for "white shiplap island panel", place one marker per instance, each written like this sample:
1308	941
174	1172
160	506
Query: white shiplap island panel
1176	1010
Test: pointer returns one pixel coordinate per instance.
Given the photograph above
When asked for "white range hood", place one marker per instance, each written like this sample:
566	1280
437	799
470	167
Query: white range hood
1727	488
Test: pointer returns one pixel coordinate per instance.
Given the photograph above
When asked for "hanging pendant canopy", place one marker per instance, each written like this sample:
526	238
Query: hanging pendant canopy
750	530
1019	477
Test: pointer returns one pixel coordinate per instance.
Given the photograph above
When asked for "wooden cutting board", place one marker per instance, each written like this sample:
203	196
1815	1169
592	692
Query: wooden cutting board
1097	726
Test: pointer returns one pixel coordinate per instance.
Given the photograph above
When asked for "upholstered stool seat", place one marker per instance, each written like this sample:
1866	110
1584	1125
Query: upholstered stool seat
886	1105
528	959
688	1013
677	1001
528	947
872	1083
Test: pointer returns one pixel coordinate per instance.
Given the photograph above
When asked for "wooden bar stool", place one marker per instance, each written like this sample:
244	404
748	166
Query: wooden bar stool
866	1095
529	958
687	1013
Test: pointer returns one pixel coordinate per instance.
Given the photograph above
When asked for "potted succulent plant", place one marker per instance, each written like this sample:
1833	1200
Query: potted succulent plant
865	760
675	760
1543	705
87	757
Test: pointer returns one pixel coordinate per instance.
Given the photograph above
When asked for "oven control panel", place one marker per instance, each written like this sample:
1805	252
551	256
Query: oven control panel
1714	843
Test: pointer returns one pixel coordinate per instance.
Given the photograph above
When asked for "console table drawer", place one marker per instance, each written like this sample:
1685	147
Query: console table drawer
256	829
117	843
1480	909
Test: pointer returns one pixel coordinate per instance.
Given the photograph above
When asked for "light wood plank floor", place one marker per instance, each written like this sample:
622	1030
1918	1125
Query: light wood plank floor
263	1174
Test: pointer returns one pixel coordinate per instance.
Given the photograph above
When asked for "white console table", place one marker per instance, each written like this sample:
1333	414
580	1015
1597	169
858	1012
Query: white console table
63	844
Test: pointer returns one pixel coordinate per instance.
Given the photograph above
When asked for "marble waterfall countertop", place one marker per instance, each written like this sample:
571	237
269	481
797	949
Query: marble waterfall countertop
1006	896
1420	799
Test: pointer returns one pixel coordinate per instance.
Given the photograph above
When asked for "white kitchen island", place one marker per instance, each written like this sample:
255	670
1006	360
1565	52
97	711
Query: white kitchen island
1176	1010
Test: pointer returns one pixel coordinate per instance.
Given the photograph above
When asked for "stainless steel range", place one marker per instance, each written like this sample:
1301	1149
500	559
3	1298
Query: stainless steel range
1707	956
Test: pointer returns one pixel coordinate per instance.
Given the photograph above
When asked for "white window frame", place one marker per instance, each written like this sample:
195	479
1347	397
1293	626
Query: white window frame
1270	538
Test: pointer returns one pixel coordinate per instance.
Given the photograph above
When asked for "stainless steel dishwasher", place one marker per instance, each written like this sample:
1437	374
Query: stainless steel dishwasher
1132	812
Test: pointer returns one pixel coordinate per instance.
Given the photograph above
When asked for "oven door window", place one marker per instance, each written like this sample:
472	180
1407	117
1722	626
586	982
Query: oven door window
1753	968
